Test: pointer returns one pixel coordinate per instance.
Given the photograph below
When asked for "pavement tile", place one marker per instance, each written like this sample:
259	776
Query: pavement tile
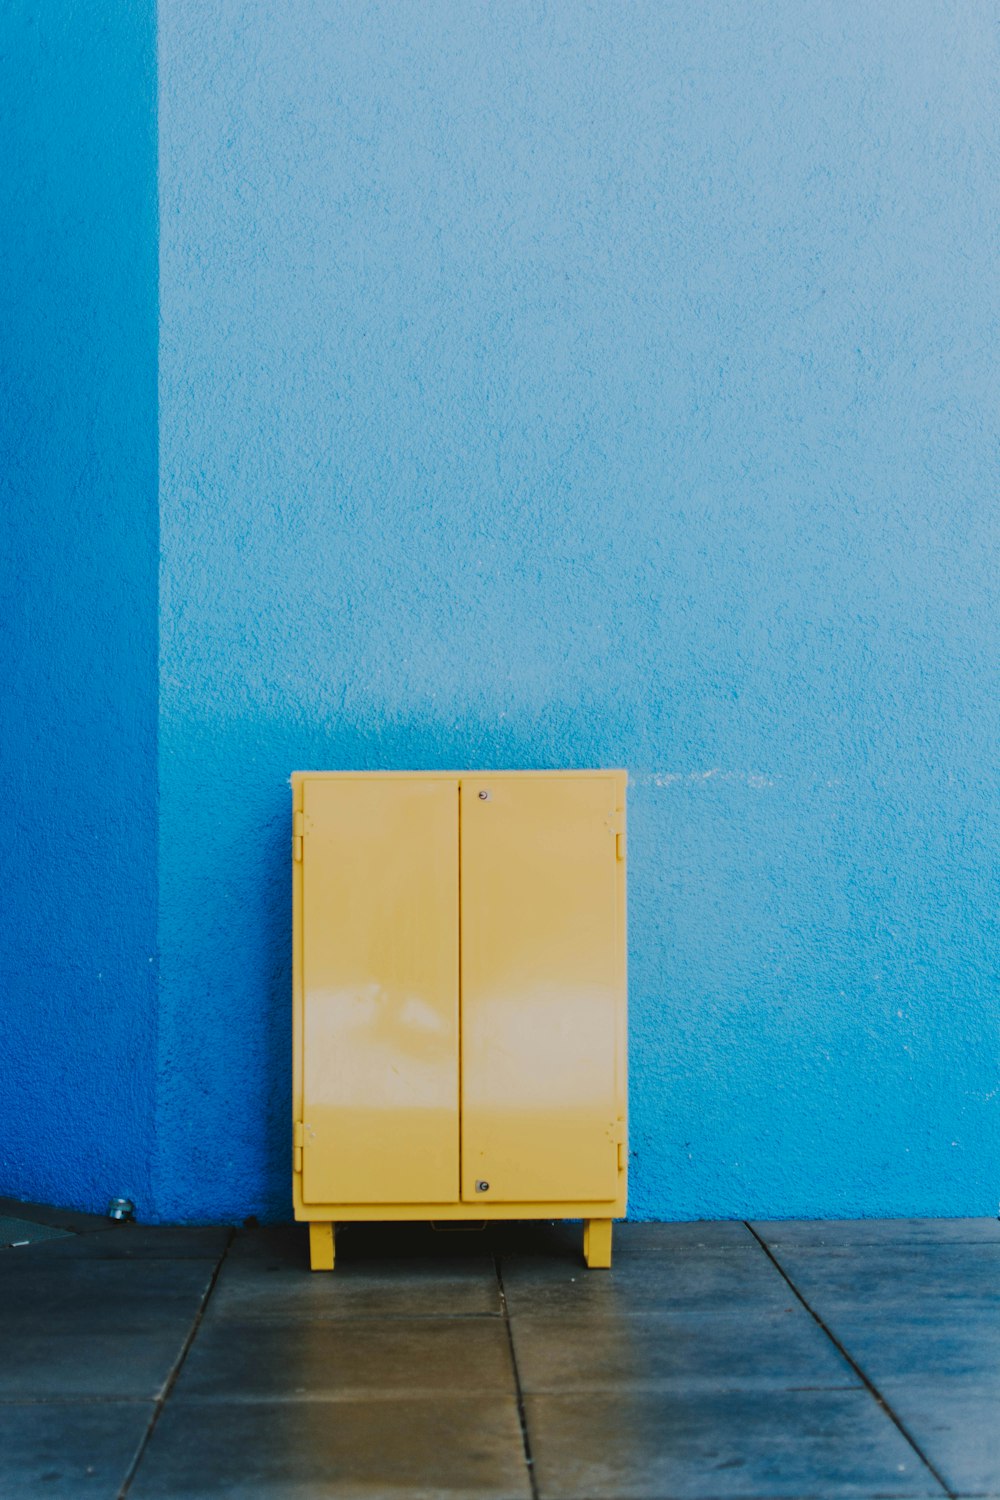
564	1241
957	1425
261	1288
424	1449
831	1233
687	1235
680	1351
901	1342
47	1365
137	1242
715	1445
88	1296
69	1450
942	1276
95	1327
306	1359
640	1284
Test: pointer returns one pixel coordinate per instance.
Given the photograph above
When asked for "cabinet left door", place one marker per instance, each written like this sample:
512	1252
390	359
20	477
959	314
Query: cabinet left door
379	965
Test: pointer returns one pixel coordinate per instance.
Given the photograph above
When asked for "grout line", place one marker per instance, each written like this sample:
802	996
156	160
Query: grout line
171	1380
869	1384
521	1413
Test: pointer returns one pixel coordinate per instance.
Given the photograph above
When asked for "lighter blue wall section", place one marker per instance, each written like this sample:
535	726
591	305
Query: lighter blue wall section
569	384
78	653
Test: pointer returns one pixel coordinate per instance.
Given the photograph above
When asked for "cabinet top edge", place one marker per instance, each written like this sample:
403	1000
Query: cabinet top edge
298	776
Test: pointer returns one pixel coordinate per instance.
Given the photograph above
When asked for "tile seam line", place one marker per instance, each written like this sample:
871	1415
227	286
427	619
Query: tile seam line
522	1415
175	1371
868	1384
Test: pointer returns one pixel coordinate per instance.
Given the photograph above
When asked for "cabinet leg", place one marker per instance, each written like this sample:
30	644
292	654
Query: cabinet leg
597	1242
322	1247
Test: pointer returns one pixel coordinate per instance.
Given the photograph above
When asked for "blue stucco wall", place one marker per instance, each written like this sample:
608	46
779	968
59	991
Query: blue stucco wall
539	385
568	384
78	621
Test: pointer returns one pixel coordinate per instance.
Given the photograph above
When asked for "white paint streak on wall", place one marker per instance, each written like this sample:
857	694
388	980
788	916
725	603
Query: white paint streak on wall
694	778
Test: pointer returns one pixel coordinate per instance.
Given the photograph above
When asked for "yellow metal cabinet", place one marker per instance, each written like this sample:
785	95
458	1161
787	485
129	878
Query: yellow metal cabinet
459	1046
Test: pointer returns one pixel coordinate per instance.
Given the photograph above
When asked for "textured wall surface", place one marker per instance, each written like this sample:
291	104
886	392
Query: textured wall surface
539	385
78	654
573	384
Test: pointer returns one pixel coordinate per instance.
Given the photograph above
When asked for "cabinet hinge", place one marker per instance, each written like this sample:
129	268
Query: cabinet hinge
298	832
298	1142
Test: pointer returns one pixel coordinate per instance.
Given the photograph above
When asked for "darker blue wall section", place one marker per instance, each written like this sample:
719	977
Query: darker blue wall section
78	496
583	383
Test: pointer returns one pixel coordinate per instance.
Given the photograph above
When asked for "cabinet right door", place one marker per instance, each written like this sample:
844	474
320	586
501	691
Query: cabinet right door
542	980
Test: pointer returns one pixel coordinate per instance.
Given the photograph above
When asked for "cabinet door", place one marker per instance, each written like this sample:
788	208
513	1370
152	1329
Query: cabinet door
542	987
380	990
